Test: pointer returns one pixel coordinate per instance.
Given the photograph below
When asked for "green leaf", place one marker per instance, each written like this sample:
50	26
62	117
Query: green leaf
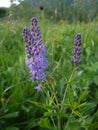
78	114
96	80
41	105
82	96
79	74
45	123
88	51
12	128
75	125
93	67
87	107
55	114
93	126
11	115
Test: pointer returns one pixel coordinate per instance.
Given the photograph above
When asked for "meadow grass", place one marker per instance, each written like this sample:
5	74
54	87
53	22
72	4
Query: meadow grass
18	99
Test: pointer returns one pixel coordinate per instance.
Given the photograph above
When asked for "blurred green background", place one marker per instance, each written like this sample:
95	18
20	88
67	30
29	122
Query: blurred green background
69	10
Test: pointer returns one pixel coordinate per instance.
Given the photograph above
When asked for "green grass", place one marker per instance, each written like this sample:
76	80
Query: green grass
20	110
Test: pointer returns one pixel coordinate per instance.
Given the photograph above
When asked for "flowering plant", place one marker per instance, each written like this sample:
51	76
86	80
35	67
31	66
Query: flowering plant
36	53
56	106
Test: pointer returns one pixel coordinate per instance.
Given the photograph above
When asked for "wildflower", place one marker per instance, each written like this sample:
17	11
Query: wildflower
36	52
77	50
41	7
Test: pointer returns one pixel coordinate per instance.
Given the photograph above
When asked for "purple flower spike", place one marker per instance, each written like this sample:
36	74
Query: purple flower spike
77	50
36	52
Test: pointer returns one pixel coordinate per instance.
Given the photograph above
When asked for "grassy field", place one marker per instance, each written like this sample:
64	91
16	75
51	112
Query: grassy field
21	107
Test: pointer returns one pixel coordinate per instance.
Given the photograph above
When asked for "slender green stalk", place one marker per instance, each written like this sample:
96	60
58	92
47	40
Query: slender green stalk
53	122
59	123
57	103
56	99
67	86
68	121
42	18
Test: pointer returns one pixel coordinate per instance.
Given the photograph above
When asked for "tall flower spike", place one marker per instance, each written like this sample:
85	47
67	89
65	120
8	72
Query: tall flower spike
77	50
36	52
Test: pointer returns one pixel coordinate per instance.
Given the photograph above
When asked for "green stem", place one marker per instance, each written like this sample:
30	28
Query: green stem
68	121
42	15
56	99
67	86
53	122
59	123
53	91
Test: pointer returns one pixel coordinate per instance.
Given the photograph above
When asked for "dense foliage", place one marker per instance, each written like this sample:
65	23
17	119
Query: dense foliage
21	107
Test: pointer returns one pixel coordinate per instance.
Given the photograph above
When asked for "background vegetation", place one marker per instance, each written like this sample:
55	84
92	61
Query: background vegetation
21	107
69	10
